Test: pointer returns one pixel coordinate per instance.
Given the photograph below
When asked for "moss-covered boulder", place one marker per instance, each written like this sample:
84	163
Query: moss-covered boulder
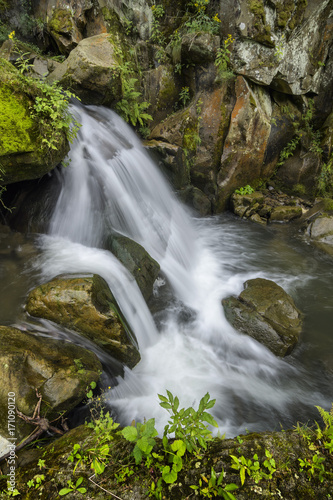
91	71
267	313
87	306
24	150
61	371
320	232
137	260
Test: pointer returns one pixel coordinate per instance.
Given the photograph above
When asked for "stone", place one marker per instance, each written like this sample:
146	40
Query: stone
267	313
246	141
24	154
61	371
285	213
137	260
91	71
87	306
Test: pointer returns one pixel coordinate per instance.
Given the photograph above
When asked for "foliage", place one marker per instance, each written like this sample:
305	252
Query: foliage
189	425
184	96
222	59
73	487
253	468
130	107
143	437
212	487
325	179
245	190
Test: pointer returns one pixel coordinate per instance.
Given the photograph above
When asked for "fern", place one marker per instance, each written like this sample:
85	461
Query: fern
326	416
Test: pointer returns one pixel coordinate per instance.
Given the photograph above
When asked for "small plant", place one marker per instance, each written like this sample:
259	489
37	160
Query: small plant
244	190
73	487
213	486
184	96
189	425
143	436
90	388
222	59
314	467
252	467
36	482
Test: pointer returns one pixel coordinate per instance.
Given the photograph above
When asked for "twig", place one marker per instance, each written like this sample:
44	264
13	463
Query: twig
106	491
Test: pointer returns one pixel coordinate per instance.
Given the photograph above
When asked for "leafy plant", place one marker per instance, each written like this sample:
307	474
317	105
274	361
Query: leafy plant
90	389
245	190
184	96
314	466
143	437
189	425
73	487
213	486
222	59
252	467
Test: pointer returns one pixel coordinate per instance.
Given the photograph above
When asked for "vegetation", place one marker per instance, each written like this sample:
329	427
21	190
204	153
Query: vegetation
244	190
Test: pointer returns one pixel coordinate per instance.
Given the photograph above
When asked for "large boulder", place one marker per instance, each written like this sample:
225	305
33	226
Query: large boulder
91	71
246	142
24	150
61	371
87	306
137	260
267	313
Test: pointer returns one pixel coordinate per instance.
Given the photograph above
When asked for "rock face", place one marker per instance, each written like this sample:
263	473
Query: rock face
23	154
90	70
61	371
267	313
137	260
85	305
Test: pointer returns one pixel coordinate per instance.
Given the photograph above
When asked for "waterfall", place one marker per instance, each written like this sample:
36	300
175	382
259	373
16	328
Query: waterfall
188	347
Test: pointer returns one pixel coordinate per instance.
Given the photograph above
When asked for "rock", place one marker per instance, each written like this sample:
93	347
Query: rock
61	371
199	48
285	213
196	199
320	232
242	204
91	71
86	305
24	152
267	313
137	260
246	141
289	61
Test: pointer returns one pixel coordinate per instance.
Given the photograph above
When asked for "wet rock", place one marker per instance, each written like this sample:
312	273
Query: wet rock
199	48
267	313
320	232
87	306
24	154
285	213
91	71
195	198
61	371
137	260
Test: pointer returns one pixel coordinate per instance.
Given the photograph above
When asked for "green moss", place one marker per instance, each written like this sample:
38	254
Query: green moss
257	7
16	126
62	21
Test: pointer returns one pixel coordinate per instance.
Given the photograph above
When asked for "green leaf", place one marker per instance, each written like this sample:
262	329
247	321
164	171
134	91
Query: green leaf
78	482
167	406
207	417
177	463
231	487
65	491
130	433
179	447
97	466
137	454
169	476
242	475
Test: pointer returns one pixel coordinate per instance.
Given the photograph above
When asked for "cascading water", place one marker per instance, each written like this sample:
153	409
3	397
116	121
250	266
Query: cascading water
112	185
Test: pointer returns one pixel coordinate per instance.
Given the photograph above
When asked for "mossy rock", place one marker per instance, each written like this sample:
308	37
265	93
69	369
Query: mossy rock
267	313
29	362
137	260
23	154
86	305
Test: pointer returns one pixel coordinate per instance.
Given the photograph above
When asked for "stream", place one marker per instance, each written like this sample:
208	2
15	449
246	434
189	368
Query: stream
186	344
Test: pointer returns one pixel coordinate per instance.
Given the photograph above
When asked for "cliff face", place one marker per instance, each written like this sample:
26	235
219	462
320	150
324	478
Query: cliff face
240	91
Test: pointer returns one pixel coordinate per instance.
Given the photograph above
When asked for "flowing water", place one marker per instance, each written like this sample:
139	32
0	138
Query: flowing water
186	344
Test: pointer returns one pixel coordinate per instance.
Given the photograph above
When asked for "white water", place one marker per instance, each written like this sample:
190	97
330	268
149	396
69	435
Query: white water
113	185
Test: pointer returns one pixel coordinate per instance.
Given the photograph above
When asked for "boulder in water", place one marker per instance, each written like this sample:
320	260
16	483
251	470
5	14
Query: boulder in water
137	260
267	313
61	371
86	305
321	233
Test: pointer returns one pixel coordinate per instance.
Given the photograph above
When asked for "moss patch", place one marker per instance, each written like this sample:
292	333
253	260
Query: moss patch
15	123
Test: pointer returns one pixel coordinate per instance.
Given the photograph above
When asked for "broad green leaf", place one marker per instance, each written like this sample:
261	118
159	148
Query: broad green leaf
97	466
137	454
231	487
207	417
242	475
179	447
130	433
177	463
65	491
78	482
169	476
